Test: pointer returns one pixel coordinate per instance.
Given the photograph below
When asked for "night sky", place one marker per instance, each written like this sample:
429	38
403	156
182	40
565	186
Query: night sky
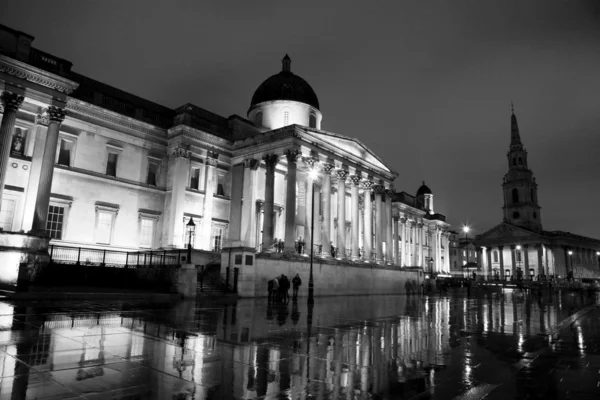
426	85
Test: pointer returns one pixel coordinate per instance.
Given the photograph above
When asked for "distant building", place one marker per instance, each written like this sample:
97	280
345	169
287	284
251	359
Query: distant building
463	255
93	166
519	246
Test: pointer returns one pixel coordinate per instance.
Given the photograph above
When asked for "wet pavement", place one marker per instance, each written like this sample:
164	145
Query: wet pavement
503	345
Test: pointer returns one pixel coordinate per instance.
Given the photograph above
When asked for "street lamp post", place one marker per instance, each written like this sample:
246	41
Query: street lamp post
313	176
466	231
191	228
519	271
570	252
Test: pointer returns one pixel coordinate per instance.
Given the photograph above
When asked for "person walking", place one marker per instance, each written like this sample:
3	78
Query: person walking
275	290
284	286
296	282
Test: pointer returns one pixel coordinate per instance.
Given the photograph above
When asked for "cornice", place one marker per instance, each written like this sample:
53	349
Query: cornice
35	75
82	108
196	134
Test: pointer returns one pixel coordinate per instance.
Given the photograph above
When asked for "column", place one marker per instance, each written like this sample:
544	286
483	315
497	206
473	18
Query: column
326	238
290	202
540	262
174	208
501	254
55	116
488	252
396	247
389	247
237	188
249	214
513	260
40	131
355	179
341	214
210	189
379	189
368	222
421	234
309	211
267	237
402	258
11	103
526	261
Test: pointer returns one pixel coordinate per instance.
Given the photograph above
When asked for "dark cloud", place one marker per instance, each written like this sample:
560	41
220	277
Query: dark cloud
427	85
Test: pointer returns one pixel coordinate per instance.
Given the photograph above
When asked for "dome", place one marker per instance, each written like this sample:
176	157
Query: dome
285	86
423	190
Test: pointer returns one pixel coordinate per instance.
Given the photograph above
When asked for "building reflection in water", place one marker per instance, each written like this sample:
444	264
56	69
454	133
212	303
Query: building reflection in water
249	349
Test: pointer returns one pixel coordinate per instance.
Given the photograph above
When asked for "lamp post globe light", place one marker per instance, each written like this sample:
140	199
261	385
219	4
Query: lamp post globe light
311	286
570	269
518	261
191	228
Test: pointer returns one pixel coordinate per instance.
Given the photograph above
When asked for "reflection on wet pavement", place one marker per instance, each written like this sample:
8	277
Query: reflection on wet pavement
494	346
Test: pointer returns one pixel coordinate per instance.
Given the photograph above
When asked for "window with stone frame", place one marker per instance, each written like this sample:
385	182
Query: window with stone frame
55	223
147	229
286	117
217	235
258	119
111	163
153	170
106	215
312	120
65	151
221	187
195	171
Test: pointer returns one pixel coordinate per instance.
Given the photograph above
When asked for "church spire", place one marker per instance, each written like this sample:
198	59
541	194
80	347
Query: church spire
286	63
515	137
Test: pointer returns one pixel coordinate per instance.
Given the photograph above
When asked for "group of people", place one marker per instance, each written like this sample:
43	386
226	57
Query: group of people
279	287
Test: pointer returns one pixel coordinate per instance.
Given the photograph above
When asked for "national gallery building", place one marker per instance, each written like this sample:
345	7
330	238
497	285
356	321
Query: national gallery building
93	166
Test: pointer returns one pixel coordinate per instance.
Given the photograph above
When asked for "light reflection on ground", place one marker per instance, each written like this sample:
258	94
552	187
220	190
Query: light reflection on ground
388	347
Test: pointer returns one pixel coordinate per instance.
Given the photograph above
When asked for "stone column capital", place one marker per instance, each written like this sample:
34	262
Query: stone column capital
327	168
180	152
42	119
56	114
212	162
367	185
251	163
342	174
356	179
309	162
271	160
292	155
379	189
389	193
11	101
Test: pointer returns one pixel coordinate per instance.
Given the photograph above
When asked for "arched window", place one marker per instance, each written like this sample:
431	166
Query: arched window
258	119
286	117
514	161
520	161
495	256
515	195
312	121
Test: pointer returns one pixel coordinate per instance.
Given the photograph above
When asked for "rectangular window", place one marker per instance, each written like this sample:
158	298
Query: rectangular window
152	176
111	164
217	238
7	214
220	185
104	227
146	232
55	222
195	178
64	152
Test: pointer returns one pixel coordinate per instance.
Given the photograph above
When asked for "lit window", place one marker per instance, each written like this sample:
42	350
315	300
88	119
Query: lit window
195	178
312	120
65	147
146	232
104	222
286	117
111	164
7	214
151	178
55	221
217	238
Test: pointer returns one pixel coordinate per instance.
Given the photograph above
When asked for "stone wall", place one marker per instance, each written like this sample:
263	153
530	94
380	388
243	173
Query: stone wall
331	278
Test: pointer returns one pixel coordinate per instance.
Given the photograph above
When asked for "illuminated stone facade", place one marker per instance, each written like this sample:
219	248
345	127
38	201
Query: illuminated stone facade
519	247
94	166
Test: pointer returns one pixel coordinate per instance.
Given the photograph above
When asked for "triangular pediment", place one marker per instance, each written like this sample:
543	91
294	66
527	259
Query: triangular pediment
351	148
506	231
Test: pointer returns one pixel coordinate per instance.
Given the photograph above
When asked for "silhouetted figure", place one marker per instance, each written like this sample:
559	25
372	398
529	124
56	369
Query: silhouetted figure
296	282
276	290
270	290
284	287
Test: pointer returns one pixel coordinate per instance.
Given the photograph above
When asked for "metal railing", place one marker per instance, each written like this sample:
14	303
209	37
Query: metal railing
113	258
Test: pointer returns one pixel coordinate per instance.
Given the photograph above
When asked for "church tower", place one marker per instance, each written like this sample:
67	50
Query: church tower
520	189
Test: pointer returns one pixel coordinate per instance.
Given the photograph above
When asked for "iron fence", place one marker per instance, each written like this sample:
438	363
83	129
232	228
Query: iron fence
113	258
